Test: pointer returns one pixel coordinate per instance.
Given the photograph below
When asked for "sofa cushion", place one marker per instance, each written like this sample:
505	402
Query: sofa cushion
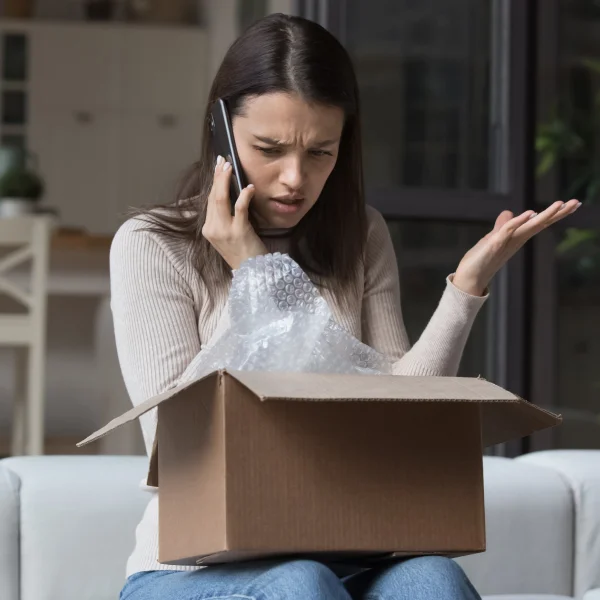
529	523
528	597
580	469
9	534
78	518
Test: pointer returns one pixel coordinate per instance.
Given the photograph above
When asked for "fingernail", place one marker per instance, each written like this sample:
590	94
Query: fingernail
226	166
249	187
219	159
579	204
533	215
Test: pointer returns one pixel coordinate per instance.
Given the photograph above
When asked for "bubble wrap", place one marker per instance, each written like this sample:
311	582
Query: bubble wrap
280	322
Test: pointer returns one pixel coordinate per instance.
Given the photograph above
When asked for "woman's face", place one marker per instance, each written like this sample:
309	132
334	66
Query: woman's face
288	149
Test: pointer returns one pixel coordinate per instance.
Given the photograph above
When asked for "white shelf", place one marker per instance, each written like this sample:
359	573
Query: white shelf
20	25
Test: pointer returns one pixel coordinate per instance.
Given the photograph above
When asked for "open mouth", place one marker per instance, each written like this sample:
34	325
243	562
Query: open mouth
287	205
288	201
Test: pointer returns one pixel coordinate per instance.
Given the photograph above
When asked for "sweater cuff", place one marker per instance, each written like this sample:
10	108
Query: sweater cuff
463	307
466	297
439	349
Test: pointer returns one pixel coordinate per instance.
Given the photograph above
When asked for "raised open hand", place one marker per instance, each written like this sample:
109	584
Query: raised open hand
510	233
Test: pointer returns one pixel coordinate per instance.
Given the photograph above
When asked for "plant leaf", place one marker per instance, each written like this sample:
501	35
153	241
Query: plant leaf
547	161
592	64
574	237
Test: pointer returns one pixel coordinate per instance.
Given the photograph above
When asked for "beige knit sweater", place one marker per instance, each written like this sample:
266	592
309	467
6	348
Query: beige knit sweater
163	321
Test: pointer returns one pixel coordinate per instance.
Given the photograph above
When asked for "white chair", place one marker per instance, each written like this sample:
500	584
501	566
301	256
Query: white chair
28	240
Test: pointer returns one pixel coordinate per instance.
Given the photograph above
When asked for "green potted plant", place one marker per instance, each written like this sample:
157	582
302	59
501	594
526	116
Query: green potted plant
20	185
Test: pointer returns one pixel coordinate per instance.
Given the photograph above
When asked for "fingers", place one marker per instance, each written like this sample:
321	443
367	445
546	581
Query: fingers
518	228
243	202
513	224
543	217
568	208
502	219
510	234
554	213
218	199
530	223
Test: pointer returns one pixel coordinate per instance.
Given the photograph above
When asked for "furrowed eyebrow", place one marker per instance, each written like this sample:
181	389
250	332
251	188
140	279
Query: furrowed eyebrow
273	142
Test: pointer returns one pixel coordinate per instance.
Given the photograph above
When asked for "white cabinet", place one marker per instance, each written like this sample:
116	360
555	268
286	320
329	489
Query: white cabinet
164	96
75	66
163	71
159	148
115	114
78	158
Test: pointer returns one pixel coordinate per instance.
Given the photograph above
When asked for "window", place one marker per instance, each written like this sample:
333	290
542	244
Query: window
444	89
577	260
428	251
424	77
566	330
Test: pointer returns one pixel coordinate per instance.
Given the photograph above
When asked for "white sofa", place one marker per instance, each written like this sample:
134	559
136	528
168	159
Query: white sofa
67	526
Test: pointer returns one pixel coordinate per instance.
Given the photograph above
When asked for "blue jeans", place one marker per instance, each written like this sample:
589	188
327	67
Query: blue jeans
423	578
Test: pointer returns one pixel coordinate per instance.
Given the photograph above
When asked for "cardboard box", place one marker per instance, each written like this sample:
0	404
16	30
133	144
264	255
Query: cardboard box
255	464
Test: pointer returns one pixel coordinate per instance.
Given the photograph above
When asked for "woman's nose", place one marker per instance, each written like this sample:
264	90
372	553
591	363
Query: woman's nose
292	175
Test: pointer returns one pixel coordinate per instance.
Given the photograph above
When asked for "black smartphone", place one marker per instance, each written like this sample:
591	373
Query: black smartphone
223	144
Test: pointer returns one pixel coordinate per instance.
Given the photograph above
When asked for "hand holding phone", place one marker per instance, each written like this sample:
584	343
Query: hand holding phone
223	144
232	236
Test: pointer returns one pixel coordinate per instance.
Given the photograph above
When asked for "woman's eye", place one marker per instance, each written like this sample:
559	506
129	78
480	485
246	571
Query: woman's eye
318	153
268	151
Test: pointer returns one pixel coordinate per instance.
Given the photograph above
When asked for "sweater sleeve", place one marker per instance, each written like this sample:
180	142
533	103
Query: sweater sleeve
439	349
156	325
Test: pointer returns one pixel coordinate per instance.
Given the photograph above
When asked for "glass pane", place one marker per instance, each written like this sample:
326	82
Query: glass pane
570	128
15	57
578	289
14	108
428	251
424	76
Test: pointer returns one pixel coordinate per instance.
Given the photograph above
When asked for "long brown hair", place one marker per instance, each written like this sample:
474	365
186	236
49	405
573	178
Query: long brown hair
282	53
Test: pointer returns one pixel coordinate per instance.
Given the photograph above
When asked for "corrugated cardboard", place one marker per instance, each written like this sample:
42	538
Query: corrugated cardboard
258	464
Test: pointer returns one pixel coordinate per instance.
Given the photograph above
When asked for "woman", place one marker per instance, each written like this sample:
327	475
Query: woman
292	92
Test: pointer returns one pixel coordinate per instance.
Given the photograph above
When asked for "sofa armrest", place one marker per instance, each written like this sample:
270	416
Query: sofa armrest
580	469
9	535
78	516
529	530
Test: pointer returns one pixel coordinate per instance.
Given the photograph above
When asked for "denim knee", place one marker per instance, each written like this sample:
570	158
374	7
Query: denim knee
304	580
437	569
425	578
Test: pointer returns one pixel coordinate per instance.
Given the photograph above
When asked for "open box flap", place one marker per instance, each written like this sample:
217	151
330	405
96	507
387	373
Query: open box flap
137	411
505	421
326	386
